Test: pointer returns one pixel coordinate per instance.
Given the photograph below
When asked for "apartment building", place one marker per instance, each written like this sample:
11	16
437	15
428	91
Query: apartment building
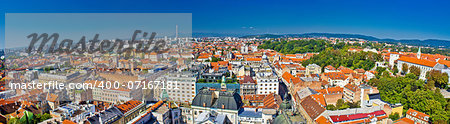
183	86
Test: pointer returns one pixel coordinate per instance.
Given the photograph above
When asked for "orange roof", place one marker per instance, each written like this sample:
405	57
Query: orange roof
223	62
156	105
272	101
52	97
335	75
297	59
203	57
153	53
417	114
417	61
253	59
331	90
127	106
254	98
404	121
68	122
206	54
320	99
322	120
329	67
290	78
347	71
360	70
351	87
214	64
445	62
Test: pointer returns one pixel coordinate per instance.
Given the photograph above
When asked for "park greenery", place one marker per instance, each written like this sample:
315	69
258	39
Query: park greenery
30	118
394	116
413	93
214	59
437	79
336	58
295	46
336	54
340	105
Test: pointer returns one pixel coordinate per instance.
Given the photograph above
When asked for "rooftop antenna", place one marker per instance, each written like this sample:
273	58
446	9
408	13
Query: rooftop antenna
176	32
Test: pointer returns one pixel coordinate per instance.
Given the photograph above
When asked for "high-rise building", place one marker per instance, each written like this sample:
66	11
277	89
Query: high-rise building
182	86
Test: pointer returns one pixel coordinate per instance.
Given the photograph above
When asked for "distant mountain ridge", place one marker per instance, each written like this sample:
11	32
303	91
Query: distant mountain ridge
417	42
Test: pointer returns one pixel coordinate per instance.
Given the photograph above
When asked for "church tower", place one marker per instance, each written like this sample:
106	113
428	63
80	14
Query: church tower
418	54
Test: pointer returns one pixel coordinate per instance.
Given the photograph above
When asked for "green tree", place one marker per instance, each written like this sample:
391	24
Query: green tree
45	116
405	68
440	79
411	76
415	70
201	81
430	84
331	107
340	104
413	93
13	120
394	116
395	69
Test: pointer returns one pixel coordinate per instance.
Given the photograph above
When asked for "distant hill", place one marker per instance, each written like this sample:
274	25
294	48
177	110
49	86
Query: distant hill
200	34
427	42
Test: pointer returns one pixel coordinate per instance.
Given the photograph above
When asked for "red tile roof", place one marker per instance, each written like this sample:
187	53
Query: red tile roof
331	90
253	59
52	97
329	67
203	57
444	62
68	122
322	120
312	107
417	114
127	106
336	75
417	61
341	118
320	99
247	79
404	121
351	87
272	101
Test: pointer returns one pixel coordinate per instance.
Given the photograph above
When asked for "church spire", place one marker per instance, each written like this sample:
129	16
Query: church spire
418	54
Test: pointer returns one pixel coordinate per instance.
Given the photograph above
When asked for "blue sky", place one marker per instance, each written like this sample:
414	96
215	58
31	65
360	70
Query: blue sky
398	19
108	25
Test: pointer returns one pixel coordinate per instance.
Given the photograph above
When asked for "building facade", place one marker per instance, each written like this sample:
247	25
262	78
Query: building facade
185	86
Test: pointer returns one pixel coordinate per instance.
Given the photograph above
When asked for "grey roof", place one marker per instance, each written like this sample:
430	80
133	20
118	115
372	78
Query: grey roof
280	119
309	79
250	113
202	117
109	115
305	92
203	98
313	65
374	96
228	99
440	66
221	119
